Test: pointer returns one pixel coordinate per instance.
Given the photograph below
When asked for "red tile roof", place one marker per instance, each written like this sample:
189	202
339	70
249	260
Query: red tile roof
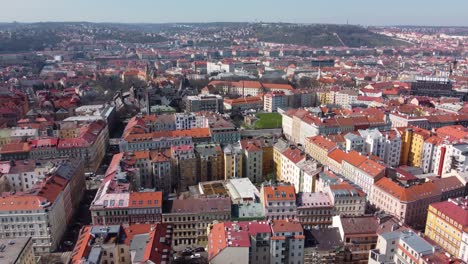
372	168
456	211
295	155
283	226
233	234
410	194
322	143
145	200
337	155
354	158
279	193
15	148
82	246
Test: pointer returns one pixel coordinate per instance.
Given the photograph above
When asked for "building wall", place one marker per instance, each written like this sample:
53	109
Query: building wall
162	176
191	228
231	162
253	161
280	210
27	254
415	155
287	124
277	158
463	254
406	138
267	160
287	250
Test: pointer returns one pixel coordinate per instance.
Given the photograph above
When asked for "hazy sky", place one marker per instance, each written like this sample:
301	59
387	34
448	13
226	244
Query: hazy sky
364	12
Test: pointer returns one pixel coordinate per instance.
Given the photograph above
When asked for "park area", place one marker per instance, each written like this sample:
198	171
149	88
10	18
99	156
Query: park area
268	120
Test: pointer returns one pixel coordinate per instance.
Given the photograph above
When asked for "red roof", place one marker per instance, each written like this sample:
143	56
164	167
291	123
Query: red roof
145	199
283	226
295	155
322	143
354	158
279	193
458	211
15	148
233	234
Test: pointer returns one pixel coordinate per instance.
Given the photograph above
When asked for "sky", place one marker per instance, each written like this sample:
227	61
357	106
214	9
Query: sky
362	12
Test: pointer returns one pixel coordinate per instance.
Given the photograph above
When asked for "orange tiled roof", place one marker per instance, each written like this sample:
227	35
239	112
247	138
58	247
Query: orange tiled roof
82	247
410	194
21	202
145	199
354	158
285	226
295	155
15	148
279	193
337	155
322	143
372	168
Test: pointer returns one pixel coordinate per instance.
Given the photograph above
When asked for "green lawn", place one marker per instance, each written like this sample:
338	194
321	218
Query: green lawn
268	120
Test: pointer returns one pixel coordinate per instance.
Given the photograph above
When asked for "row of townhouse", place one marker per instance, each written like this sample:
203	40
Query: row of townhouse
89	144
44	211
299	124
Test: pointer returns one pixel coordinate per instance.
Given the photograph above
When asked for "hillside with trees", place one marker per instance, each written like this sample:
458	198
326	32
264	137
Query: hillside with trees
321	35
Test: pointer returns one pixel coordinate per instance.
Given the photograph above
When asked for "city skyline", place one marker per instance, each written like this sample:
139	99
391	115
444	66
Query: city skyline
362	12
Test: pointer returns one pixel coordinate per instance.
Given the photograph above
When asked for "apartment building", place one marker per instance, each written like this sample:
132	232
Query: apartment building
244	103
314	210
233	161
409	203
412	145
46	221
287	242
446	223
429	149
367	174
279	201
118	202
44	211
191	218
206	102
359	234
252	160
350	164
90	146
184	166
210	162
239	242
404	247
274	100
136	243
278	149
347	199
318	147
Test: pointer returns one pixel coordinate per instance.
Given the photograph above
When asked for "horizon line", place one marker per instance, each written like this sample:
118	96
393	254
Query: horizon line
232	22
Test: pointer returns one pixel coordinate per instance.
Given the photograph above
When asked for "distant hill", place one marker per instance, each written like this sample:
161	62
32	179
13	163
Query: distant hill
320	35
25	37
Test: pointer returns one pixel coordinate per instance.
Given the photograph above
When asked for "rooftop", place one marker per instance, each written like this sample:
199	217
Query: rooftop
279	193
12	248
313	200
324	239
199	205
456	209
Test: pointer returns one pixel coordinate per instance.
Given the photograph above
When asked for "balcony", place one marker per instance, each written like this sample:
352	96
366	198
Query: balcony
376	256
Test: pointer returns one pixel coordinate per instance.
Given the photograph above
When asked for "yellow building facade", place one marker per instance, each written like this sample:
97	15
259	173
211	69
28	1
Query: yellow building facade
446	222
